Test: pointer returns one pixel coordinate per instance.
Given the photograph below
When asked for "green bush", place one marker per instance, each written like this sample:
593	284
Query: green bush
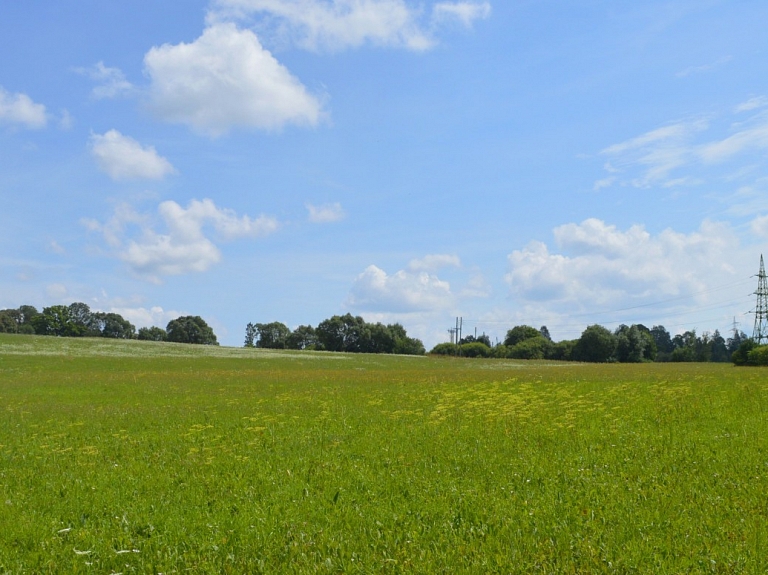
741	355
758	356
444	349
475	349
532	348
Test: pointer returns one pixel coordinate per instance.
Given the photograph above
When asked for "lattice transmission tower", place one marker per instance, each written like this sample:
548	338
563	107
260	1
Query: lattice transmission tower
760	333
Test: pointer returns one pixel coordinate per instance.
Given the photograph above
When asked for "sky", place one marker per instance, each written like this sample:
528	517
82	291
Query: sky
540	162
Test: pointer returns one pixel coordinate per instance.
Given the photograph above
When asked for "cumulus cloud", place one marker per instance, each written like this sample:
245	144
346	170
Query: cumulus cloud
111	81
405	291
19	109
601	265
185	245
327	213
223	80
122	157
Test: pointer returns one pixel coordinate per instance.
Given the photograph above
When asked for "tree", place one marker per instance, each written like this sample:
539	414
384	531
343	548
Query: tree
634	344
531	348
445	349
685	347
719	351
475	349
663	341
113	325
190	329
342	333
545	333
250	335
484	339
303	337
8	321
409	346
152	334
57	321
80	314
596	344
742	355
520	333
272	335
563	350
736	340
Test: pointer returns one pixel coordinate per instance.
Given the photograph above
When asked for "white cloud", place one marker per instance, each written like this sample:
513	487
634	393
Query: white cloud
433	262
403	292
111	81
20	109
658	157
752	104
755	137
223	80
56	291
335	24
327	213
184	245
657	153
464	12
759	226
55	247
704	68
604	266
66	121
147	317
122	157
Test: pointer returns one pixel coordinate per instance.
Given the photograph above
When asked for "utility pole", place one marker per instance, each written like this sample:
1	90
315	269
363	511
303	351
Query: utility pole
760	332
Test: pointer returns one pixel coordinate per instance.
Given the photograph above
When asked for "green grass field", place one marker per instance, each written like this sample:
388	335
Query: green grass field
133	457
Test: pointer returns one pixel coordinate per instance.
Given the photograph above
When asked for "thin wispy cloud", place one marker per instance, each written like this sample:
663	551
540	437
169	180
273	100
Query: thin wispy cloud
326	213
332	25
110	82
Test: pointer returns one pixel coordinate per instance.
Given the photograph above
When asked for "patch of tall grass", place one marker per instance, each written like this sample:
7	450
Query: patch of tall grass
134	458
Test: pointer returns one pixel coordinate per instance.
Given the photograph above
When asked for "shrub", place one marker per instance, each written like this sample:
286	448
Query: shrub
758	356
741	355
445	349
475	349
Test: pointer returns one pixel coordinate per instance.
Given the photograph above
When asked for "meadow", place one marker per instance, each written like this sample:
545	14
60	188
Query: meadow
138	457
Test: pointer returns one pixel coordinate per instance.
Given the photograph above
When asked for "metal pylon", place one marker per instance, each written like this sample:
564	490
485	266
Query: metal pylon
760	333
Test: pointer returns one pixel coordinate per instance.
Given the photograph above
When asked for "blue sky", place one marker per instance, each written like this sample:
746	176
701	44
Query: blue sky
541	162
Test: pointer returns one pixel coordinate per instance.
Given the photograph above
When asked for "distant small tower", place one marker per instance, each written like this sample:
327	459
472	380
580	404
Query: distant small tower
760	333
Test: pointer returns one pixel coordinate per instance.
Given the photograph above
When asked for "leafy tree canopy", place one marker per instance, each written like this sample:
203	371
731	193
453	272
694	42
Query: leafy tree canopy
190	329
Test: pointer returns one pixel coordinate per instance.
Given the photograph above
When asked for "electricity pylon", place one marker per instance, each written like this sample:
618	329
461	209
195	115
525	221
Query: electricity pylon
760	333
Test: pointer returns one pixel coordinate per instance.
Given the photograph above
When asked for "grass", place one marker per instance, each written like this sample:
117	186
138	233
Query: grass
159	458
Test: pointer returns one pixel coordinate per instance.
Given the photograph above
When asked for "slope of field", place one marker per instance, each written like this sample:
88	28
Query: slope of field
159	458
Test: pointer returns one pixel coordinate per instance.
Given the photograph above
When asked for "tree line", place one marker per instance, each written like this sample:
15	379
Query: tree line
346	333
77	320
626	344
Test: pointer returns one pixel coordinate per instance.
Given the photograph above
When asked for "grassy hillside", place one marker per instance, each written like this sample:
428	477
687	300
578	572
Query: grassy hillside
146	457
